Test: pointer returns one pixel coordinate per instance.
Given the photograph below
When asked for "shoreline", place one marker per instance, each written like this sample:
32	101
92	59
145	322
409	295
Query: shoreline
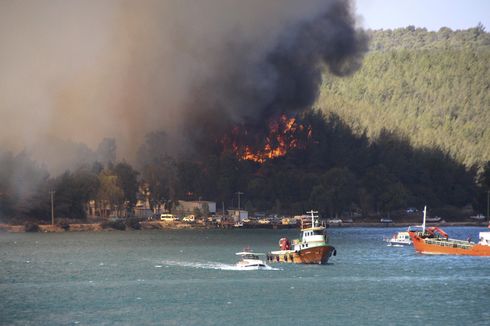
160	225
99	227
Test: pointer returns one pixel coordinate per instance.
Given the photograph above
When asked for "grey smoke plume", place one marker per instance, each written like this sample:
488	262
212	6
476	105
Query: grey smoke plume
84	70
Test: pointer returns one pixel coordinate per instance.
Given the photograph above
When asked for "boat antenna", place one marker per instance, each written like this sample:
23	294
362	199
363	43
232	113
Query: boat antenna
423	223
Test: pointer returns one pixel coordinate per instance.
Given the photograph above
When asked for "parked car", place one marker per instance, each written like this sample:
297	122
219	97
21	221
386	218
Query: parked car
168	217
334	221
386	220
189	218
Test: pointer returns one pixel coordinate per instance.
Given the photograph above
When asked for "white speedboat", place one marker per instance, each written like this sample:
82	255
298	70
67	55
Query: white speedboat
251	260
399	239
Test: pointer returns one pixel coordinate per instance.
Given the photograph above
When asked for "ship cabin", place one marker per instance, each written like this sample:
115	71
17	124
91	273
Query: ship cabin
311	237
249	255
484	238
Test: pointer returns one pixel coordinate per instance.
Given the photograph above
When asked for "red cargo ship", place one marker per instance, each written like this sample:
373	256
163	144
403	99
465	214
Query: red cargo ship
433	240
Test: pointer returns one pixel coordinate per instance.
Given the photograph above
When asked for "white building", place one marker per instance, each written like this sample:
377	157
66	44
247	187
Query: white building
188	207
237	215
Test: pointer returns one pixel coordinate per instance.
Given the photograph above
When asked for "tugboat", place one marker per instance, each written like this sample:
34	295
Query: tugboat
312	248
433	240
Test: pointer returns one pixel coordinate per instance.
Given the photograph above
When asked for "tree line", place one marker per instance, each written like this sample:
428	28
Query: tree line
337	172
408	129
25	188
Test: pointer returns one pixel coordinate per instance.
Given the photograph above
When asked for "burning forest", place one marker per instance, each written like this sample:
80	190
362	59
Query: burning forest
283	134
203	102
252	106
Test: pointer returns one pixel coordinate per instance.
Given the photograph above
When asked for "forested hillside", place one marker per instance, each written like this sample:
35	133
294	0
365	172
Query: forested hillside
431	87
405	130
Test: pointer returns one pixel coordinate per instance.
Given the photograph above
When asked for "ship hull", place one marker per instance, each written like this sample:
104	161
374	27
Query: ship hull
448	247
313	255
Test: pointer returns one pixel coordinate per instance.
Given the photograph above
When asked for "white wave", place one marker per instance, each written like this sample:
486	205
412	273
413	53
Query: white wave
215	265
395	245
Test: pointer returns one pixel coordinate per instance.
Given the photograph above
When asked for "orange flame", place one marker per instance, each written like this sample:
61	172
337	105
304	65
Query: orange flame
283	135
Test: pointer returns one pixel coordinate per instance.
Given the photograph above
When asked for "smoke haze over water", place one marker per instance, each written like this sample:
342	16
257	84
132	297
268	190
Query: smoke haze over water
83	70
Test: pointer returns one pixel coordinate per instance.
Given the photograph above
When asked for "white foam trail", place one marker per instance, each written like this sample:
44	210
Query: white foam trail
215	265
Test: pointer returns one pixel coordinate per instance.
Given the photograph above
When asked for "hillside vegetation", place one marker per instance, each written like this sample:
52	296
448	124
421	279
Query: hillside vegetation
432	88
407	130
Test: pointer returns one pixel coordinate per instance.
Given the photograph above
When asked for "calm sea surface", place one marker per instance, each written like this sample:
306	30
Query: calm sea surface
187	277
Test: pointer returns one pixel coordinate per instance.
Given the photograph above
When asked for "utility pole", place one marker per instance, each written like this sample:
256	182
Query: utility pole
52	192
238	193
488	205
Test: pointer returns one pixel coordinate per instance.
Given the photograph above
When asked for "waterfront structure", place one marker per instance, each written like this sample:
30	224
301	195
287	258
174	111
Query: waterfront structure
238	215
188	207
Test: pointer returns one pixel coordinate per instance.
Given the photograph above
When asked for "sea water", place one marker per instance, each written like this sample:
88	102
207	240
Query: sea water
188	277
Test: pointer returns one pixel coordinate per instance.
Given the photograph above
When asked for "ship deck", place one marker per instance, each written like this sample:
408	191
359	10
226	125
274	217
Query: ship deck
452	243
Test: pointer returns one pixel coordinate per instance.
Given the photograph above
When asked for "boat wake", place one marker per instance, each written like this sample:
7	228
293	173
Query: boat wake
213	265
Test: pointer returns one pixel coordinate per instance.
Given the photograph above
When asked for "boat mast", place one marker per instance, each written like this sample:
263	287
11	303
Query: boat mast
423	223
312	212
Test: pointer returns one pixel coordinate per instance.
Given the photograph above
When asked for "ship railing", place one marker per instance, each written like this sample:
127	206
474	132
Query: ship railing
306	223
449	243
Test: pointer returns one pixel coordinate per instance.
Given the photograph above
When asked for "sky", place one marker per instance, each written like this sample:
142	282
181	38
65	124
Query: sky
432	14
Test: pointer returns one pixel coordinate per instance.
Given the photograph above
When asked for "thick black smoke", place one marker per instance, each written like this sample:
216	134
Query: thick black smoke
250	88
122	69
